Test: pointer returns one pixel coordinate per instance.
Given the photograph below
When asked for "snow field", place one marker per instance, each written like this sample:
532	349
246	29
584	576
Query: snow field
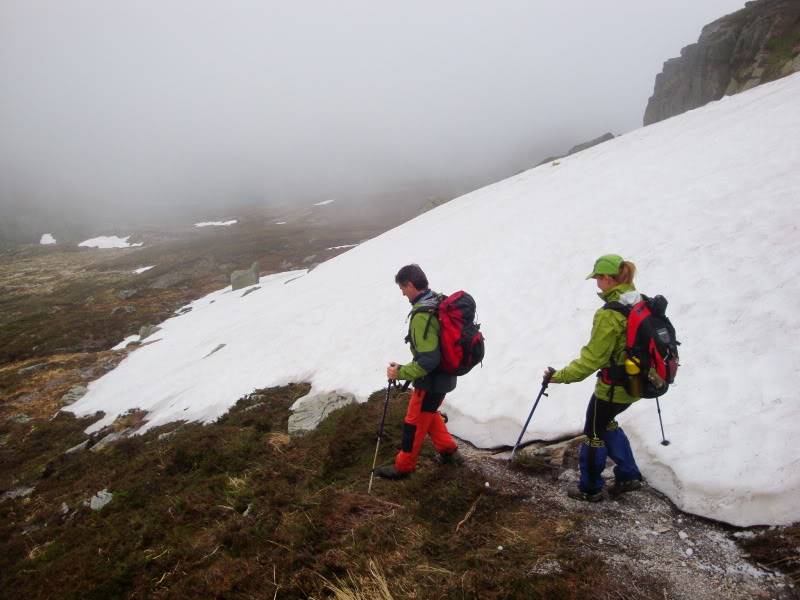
704	204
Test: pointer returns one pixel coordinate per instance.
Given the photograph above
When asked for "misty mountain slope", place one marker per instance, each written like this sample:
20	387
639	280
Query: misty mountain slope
705	204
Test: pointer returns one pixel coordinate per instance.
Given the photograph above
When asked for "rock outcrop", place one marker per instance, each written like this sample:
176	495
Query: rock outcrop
586	145
579	148
74	394
754	45
310	411
145	331
246	278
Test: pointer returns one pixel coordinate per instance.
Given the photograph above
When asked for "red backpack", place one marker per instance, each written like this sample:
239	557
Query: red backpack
650	347
461	342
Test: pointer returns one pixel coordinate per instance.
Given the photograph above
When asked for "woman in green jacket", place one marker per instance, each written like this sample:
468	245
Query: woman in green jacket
606	348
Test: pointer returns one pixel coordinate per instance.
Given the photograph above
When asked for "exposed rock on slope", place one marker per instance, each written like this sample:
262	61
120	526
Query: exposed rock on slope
757	44
580	147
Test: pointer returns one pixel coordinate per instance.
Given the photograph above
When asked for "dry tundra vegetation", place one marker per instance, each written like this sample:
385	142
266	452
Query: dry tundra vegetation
237	508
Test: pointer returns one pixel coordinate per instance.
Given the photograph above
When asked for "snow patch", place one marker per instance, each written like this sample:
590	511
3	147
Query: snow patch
47	239
141	270
325	202
217	223
109	241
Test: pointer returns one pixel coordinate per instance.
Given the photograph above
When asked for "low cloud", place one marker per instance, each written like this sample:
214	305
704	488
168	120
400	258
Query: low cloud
124	108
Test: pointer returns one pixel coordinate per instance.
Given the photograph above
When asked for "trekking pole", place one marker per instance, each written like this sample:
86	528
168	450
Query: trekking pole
545	381
664	440
380	434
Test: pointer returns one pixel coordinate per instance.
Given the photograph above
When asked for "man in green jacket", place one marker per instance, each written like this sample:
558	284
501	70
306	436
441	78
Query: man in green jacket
606	348
430	384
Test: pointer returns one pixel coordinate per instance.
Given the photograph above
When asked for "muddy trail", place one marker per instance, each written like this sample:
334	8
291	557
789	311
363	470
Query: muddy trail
641	535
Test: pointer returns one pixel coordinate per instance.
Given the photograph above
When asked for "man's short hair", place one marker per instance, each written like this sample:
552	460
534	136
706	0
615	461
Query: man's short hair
412	274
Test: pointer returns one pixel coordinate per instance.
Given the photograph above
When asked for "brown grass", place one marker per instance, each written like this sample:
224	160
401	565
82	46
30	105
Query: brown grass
237	509
777	549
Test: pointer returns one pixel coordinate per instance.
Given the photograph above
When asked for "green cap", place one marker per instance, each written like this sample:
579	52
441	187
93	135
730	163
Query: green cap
608	264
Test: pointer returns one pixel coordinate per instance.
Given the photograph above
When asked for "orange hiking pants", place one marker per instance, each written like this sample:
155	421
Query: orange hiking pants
422	418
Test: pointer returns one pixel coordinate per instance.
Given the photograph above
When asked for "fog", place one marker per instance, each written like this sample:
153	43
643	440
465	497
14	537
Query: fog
124	108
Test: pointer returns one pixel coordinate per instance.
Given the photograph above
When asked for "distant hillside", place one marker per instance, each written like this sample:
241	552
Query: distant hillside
757	44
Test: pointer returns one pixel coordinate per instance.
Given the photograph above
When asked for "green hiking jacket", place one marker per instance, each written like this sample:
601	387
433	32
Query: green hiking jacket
606	346
423	337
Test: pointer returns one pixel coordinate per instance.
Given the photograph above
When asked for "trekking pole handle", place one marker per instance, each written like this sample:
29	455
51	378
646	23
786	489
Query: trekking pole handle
548	375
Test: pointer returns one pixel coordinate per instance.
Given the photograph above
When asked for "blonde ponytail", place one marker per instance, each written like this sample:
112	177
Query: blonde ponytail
626	272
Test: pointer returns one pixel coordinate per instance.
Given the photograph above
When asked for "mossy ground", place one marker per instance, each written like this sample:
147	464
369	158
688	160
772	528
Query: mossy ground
238	509
778	549
781	49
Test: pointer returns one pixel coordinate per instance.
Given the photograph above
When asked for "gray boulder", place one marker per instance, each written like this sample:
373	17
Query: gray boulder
125	294
146	331
310	411
99	500
245	278
20	492
79	447
561	454
111	438
32	369
74	394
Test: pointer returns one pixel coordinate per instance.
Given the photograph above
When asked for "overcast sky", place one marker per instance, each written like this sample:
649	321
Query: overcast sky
107	103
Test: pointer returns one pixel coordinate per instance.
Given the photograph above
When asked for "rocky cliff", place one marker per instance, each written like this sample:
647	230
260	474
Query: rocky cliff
754	45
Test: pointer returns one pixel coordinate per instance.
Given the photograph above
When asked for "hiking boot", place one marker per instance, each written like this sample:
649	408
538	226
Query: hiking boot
576	493
389	472
449	458
620	487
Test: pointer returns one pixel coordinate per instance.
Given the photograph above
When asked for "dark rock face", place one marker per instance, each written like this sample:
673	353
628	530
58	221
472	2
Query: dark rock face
757	44
586	145
579	148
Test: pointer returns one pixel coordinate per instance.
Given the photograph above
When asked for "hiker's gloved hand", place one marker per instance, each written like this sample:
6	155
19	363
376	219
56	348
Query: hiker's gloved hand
548	374
392	370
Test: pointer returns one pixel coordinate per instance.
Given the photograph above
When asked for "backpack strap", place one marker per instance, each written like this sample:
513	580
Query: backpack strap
431	310
613	374
427	326
619	307
429	305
